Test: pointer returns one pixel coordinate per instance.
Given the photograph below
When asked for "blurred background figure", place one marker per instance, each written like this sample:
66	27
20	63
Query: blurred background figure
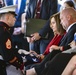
67	4
2	4
62	4
74	1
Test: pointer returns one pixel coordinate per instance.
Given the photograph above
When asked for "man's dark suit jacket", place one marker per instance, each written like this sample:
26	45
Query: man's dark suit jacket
48	8
46	30
68	37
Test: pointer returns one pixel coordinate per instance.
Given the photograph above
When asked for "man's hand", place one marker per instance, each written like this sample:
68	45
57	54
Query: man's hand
36	36
33	37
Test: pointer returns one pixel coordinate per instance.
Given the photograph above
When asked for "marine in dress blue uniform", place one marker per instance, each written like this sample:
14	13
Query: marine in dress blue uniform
7	51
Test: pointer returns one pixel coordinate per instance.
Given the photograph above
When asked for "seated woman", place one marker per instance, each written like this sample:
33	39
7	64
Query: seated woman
59	33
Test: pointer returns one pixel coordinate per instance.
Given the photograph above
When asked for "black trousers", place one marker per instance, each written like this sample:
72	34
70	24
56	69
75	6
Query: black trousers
2	68
57	64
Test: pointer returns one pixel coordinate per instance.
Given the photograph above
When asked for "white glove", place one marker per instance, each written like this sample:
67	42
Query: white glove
20	51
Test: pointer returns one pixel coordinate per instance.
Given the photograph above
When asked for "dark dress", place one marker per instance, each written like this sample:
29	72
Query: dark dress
57	64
